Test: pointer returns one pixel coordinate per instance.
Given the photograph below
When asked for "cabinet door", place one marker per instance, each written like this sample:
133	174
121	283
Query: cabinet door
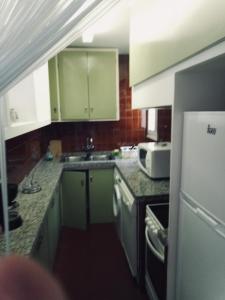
53	85
74	199
103	85
41	249
21	102
42	96
73	85
163	33
101	196
53	227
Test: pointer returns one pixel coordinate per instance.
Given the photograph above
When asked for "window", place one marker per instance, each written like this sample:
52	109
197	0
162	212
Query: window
152	128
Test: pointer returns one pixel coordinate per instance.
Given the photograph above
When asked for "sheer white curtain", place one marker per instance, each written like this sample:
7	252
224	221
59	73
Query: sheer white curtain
32	31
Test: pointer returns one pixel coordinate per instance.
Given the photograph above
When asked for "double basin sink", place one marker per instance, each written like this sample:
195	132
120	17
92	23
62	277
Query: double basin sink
85	157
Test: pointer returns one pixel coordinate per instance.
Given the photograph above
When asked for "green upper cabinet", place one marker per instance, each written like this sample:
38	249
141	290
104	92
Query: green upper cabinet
86	83
163	33
73	85
54	97
102	70
101	196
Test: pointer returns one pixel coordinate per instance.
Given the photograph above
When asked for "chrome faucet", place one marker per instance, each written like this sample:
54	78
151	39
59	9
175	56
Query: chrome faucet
89	147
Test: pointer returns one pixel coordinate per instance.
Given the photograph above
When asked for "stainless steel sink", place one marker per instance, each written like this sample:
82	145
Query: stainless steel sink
78	158
73	158
99	157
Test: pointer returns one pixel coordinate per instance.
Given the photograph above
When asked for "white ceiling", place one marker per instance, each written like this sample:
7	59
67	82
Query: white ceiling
115	25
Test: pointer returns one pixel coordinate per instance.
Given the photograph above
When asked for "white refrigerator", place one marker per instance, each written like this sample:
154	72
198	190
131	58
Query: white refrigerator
201	239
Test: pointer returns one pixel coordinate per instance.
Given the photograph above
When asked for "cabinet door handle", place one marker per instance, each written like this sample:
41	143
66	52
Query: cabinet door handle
91	179
92	109
55	110
39	242
53	203
82	182
85	109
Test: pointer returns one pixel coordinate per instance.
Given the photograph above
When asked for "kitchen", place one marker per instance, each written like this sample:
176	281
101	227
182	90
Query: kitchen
177	87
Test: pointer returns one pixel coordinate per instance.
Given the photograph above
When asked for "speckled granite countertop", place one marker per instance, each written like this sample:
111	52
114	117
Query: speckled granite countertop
33	207
140	184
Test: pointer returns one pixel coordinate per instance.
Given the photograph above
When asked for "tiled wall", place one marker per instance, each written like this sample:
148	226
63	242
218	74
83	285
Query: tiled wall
106	135
23	152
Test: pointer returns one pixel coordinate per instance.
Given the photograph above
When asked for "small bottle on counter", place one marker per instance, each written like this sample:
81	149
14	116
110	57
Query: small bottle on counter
48	155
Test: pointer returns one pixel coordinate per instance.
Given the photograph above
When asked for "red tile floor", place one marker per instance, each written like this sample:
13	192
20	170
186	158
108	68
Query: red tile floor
91	265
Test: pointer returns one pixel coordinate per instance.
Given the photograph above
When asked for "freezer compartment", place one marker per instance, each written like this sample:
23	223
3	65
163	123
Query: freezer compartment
201	260
203	160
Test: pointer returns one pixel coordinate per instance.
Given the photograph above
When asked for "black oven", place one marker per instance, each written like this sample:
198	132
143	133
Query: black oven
156	250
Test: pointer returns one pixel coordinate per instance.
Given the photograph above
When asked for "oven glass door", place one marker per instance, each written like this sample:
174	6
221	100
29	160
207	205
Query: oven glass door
156	268
129	238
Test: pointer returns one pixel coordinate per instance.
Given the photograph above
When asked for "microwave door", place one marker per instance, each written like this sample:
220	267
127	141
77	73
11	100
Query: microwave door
142	159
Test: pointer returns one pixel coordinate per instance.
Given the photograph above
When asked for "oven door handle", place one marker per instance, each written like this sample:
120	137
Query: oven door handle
125	201
160	256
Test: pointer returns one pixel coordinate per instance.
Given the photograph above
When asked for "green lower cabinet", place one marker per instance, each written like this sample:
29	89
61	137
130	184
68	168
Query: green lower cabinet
41	249
101	196
53	227
74	200
44	249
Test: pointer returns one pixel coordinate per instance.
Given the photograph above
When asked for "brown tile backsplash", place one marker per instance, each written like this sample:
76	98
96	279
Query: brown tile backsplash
23	152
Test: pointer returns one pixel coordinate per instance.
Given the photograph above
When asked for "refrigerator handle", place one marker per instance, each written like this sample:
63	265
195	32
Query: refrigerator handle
221	231
198	211
205	217
219	228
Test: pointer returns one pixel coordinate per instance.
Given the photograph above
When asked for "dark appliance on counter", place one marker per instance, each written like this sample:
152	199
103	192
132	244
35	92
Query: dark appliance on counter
15	219
156	224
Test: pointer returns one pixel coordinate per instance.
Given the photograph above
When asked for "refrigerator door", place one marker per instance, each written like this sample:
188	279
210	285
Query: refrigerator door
203	161
201	256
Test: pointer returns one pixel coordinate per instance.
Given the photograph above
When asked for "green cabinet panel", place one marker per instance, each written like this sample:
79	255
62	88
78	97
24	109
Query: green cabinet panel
41	250
165	33
73	85
53	227
84	84
74	204
45	246
102	85
53	85
101	196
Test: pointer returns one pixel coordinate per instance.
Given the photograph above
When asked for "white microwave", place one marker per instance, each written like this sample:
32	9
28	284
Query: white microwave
154	159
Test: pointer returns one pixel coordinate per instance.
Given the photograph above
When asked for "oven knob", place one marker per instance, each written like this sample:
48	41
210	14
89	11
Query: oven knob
155	231
152	227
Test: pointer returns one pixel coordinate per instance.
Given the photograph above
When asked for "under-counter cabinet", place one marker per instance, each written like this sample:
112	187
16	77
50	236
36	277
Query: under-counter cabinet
84	85
74	199
40	251
101	194
87	197
54	224
45	247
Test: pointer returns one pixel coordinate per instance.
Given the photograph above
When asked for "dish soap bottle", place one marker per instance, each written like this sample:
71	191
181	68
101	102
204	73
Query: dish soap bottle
48	155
